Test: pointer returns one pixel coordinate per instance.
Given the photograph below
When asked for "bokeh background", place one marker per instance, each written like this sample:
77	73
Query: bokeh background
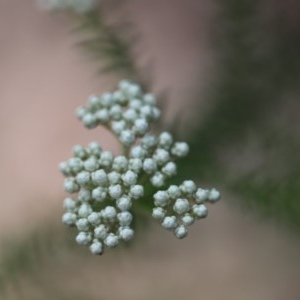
228	73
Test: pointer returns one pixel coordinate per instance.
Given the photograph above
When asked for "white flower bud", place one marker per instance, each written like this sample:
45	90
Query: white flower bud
141	126
161	198
89	120
119	97
124	203
69	204
100	232
84	210
130	115
94	218
115	112
83	178
99	194
149	99
94	149
137	152
181	206
93	101
188	187
180	149
107	99
83	238
118	126
106	158
180	232
135	164
158	179
111	240
129	178
124	85
96	247
125	218
169	222
174	191
200	210
126	233
109	212
127	137
188	220
165	140
71	186
65	168
69	218
120	163
99	177
158	213
91	164
82	224
114	177
135	104
102	115
136	191
133	90
149	165
84	195
170	169
80	112
75	164
149	141
146	112
155	113
79	151
214	195
115	191
201	195
161	156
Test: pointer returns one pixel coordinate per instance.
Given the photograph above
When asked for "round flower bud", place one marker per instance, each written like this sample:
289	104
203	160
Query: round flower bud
165	140
201	195
137	152
188	187
127	137
135	104
124	85
214	195
114	177
136	191
69	218
100	232
83	238
106	99
91	164
102	115
125	218
149	99
169	222
129	178
65	168
135	164
141	126
115	191
200	210
133	90
181	206
79	151
130	115
146	112
94	149
149	141
120	163
124	203
111	240
99	177
84	195
96	247
75	164
106	158
119	97
94	218
149	165
180	232
116	112
188	220
155	113
174	191
118	126
71	186
170	169
158	213
158	179
89	120
94	101
180	149
161	198
109	212
126	233
80	112
69	204
161	156
82	224
99	194
83	178
84	210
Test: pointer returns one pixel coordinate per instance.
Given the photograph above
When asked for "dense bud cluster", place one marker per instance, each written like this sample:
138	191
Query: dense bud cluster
78	6
105	187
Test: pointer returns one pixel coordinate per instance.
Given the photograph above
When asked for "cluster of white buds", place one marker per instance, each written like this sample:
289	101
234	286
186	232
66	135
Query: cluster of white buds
105	187
77	6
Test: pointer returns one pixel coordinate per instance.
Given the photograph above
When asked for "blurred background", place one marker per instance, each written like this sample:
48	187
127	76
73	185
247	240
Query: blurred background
227	75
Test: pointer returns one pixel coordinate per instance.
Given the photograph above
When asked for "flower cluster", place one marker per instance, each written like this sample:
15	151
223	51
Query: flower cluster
78	6
105	187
